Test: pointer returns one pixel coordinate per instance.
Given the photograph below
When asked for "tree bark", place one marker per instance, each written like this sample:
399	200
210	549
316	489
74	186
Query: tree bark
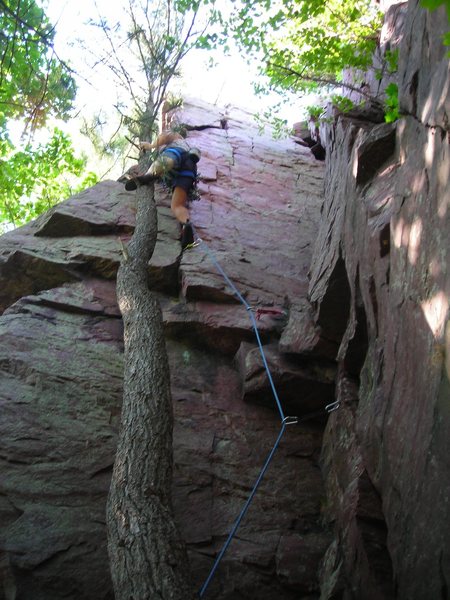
147	555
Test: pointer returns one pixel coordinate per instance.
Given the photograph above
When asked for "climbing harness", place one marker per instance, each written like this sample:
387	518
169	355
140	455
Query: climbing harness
285	420
179	157
179	160
169	175
170	150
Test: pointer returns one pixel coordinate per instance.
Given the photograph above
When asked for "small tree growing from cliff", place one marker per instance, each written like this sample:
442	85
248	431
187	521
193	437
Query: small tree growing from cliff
147	555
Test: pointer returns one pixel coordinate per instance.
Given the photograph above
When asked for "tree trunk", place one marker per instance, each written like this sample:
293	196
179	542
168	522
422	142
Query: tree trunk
148	559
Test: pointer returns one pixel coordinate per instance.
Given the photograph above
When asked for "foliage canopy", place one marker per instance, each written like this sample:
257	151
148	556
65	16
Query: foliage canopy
35	178
302	44
34	86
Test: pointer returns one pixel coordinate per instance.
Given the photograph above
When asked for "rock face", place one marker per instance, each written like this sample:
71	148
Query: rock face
345	266
384	252
61	362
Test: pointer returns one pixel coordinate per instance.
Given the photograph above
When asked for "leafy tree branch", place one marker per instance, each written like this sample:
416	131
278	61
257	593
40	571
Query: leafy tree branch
35	85
302	45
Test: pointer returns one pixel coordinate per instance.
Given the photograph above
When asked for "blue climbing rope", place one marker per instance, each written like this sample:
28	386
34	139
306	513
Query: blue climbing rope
284	420
242	514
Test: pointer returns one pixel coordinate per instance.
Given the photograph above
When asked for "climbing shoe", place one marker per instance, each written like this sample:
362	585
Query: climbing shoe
144	179
187	235
129	176
131	183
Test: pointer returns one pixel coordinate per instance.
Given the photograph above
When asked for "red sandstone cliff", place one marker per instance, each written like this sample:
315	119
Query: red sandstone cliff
356	254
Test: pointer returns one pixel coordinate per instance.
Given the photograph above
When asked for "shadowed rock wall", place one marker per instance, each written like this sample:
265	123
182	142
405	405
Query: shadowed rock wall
384	249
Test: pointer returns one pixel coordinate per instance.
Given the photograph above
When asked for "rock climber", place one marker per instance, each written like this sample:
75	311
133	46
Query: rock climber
177	163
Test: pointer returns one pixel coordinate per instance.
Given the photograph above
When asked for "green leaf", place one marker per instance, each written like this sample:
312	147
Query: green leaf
392	110
431	4
32	179
33	84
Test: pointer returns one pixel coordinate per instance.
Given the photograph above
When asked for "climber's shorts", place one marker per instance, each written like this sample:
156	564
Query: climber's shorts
182	182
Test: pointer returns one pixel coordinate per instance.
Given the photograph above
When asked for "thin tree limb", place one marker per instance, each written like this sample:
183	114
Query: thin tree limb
323	81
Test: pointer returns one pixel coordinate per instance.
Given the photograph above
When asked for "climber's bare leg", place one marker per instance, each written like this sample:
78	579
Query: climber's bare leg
179	204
